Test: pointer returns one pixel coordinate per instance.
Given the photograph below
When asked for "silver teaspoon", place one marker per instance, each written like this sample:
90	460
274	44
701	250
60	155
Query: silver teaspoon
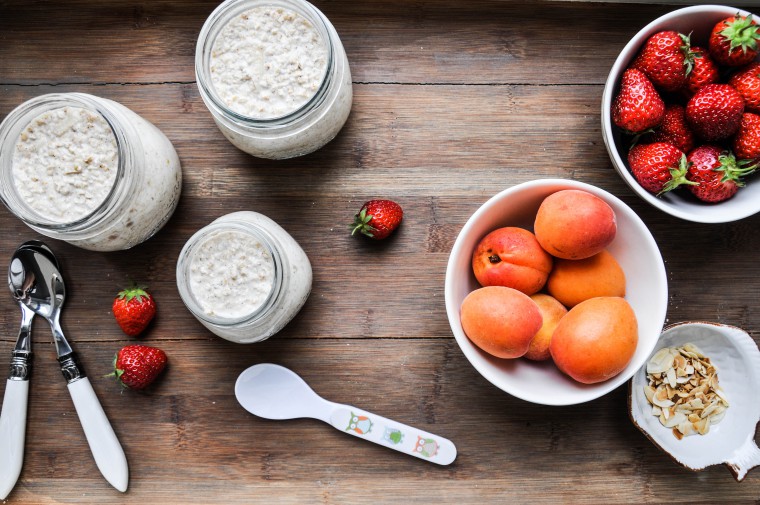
275	392
45	294
15	400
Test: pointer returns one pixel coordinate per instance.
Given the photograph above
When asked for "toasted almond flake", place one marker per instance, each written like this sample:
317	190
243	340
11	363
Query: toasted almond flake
683	390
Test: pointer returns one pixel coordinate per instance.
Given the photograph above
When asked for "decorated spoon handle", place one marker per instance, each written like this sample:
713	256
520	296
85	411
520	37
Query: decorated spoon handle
397	436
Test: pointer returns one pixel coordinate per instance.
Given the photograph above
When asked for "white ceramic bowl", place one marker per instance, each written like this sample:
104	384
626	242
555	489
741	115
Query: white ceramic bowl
737	359
633	247
699	20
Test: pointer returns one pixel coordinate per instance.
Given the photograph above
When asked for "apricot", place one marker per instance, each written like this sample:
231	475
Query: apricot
595	340
573	281
500	320
551	312
511	257
574	224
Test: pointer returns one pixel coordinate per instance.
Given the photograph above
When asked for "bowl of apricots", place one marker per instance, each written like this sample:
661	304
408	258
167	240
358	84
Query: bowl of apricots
556	291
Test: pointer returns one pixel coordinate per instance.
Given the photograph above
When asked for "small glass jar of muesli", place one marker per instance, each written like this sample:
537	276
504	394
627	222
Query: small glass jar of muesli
274	75
243	277
87	170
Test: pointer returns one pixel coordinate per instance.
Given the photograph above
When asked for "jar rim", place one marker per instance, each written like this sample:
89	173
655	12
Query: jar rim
185	259
19	118
218	19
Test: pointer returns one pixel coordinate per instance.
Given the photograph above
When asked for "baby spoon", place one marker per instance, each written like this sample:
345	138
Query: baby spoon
275	392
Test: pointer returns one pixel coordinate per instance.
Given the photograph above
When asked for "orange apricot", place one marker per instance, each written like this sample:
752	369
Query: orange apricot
574	224
573	281
500	320
551	312
511	257
595	340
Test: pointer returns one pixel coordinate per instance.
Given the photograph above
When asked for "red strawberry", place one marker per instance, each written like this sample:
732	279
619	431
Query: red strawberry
137	366
658	167
746	142
705	71
747	82
666	60
734	40
378	218
674	129
637	106
133	309
715	111
716	173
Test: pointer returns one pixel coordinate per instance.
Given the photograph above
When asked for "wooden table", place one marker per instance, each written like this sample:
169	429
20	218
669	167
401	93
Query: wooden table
453	102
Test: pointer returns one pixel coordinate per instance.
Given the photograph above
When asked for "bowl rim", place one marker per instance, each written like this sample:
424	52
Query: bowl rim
472	354
610	86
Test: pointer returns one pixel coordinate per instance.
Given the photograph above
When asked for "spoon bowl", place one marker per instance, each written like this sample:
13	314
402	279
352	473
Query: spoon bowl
275	392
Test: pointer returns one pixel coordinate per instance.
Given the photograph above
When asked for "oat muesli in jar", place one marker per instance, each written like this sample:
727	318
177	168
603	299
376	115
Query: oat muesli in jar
274	75
87	170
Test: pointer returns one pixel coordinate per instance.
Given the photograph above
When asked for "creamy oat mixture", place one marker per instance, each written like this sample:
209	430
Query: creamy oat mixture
267	62
65	163
231	274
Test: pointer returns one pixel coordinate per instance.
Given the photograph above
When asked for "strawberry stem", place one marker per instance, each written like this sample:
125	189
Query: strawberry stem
361	223
678	177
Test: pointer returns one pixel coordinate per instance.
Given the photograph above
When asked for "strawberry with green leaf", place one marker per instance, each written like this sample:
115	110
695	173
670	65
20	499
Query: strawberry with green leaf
734	40
666	59
659	167
377	219
134	308
137	366
715	173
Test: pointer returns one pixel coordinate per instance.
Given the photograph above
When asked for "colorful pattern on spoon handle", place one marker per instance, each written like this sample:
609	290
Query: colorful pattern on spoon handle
396	436
12	434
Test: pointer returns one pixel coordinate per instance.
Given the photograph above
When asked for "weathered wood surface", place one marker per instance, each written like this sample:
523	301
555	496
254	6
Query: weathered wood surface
454	101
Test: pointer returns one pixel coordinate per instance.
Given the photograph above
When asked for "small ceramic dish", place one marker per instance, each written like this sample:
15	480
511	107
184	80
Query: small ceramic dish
731	442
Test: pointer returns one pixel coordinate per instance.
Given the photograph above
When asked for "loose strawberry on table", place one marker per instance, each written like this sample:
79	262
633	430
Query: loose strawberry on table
134	308
715	173
734	41
377	219
138	366
659	167
637	106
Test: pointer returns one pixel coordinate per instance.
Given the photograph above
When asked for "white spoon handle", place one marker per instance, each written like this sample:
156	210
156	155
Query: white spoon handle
105	447
397	436
12	434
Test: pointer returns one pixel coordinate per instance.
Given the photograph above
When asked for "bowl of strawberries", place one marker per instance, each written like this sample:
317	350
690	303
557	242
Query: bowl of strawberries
681	113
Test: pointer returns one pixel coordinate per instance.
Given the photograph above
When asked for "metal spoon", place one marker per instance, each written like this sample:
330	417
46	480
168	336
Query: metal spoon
44	292
275	392
13	415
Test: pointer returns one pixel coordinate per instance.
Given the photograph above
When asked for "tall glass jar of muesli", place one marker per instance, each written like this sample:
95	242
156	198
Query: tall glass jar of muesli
87	170
274	75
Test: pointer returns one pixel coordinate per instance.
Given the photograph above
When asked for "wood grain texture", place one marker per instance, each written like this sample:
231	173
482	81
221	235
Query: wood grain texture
453	102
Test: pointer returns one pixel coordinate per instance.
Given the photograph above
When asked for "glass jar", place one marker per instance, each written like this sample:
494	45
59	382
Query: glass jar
243	277
295	132
137	199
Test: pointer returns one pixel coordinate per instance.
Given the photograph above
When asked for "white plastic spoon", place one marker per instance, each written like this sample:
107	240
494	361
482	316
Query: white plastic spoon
275	392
